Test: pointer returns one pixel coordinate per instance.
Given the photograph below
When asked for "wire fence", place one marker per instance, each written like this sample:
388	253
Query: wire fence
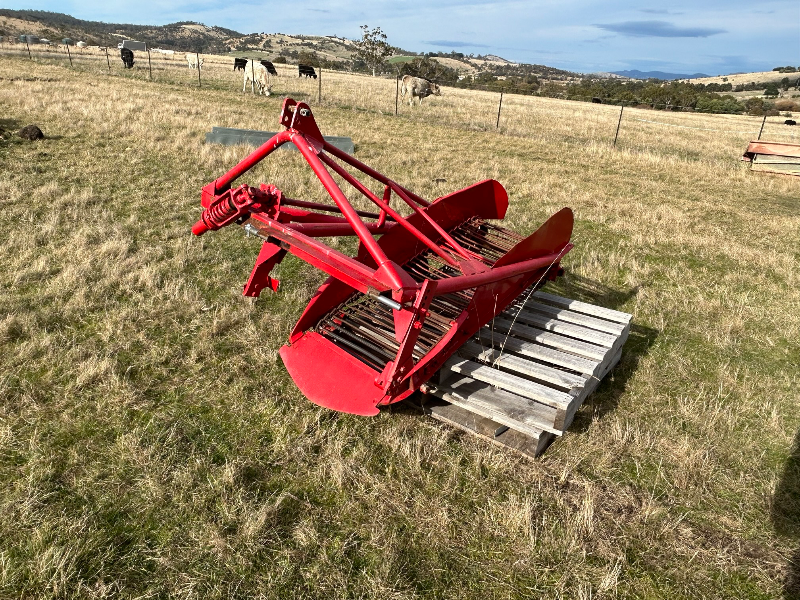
676	132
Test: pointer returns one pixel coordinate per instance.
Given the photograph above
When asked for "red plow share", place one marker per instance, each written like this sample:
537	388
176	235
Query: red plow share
419	287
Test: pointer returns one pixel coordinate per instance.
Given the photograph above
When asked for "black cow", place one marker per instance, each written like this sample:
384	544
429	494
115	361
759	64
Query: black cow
305	70
127	57
789	122
270	67
596	100
239	64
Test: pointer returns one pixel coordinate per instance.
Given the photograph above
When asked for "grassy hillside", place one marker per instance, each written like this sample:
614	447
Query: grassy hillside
152	444
185	36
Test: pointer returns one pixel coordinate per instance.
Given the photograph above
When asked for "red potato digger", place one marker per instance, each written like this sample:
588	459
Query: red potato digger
419	287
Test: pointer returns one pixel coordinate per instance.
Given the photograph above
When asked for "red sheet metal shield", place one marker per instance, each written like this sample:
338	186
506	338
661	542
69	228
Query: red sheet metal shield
330	377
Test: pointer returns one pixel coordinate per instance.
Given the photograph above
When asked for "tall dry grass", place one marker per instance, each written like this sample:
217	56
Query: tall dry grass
151	443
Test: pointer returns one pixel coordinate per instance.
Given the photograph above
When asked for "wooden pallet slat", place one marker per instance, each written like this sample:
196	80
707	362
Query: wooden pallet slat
501	406
520	366
557	326
554	340
585	308
529	446
538	352
512	383
577	318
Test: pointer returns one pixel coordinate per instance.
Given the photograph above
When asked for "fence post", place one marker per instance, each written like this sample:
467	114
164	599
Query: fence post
108	61
252	77
621	108
319	84
197	58
149	64
498	111
28	47
764	120
396	93
70	56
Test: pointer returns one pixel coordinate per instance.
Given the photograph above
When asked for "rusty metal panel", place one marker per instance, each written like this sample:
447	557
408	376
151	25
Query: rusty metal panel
771	148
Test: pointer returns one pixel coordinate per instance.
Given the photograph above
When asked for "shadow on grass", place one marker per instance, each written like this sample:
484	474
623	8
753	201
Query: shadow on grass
786	516
640	339
9	126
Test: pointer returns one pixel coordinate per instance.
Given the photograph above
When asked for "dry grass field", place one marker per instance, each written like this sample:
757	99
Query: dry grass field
152	444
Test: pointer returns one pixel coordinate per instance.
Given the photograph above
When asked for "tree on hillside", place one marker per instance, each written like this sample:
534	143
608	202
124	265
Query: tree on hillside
429	69
372	48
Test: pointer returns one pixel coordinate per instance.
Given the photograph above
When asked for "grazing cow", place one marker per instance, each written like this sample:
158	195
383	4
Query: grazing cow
419	87
127	57
193	63
257	75
269	67
305	70
789	122
597	100
239	63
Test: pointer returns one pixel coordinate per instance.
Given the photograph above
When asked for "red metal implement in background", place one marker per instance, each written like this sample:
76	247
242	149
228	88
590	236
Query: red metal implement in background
389	317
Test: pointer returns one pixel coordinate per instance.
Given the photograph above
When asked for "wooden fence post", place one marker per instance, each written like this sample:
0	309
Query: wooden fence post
760	131
108	61
498	111
621	108
319	86
28	47
70	56
149	64
396	93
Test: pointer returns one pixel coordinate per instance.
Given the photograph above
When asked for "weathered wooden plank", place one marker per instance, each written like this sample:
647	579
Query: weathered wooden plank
512	383
772	159
585	308
528	446
499	405
575	331
509	343
563	314
554	340
521	366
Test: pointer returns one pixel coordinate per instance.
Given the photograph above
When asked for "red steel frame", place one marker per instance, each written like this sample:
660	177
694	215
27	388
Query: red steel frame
323	371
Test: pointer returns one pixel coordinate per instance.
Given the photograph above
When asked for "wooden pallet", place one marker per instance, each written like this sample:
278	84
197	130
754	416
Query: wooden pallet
521	380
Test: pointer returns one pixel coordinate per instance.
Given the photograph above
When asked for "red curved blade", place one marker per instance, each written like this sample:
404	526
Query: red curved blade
548	239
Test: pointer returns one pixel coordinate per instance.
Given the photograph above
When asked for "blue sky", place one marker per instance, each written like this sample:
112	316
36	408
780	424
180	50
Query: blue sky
713	36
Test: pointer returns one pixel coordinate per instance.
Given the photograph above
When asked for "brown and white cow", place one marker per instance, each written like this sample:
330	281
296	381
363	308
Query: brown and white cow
416	86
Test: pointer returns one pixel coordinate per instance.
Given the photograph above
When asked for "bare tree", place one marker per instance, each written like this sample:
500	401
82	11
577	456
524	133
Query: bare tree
372	48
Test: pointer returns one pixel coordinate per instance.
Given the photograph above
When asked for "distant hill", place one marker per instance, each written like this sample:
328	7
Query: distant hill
634	74
187	36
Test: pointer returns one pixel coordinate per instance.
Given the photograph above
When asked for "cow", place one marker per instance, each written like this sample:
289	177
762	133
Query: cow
193	63
257	75
597	100
239	63
789	122
419	87
127	57
269	67
305	70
